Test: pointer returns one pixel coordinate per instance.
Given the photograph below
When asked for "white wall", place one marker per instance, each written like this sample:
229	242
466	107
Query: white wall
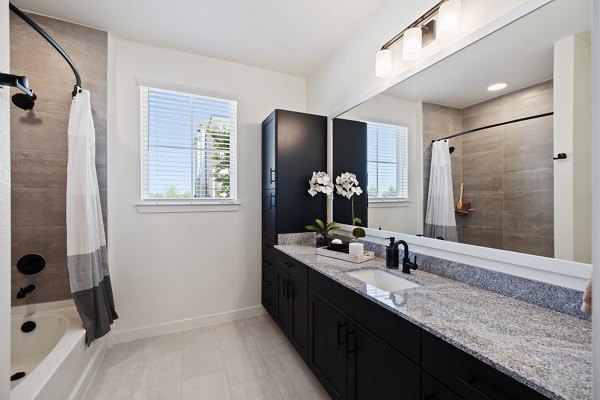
4	207
180	266
347	77
397	217
573	136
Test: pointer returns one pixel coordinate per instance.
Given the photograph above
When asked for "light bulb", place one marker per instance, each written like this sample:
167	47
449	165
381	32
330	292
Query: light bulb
448	19
412	44
383	63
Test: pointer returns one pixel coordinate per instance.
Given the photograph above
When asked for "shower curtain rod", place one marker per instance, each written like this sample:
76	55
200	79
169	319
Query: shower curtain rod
48	38
495	125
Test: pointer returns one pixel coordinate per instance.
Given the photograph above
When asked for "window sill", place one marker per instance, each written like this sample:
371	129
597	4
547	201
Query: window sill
190	207
380	203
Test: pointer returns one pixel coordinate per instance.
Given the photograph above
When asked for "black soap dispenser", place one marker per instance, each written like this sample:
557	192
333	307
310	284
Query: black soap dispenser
392	256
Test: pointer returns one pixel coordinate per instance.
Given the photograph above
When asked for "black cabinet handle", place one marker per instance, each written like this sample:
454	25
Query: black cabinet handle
267	246
271	200
271	175
469	384
290	289
339	342
267	263
287	264
351	340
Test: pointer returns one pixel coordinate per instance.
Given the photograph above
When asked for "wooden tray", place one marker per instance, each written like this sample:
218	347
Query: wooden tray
322	251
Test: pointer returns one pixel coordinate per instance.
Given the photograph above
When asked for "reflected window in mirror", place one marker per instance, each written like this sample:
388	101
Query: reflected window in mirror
387	160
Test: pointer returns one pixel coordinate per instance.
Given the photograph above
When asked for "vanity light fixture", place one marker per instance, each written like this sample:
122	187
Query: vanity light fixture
412	44
497	86
383	63
419	34
448	19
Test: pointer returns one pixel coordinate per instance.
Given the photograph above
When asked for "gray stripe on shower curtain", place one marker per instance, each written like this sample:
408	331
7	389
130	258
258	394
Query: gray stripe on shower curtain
86	242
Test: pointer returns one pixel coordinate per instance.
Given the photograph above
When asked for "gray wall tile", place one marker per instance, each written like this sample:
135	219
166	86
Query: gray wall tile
39	144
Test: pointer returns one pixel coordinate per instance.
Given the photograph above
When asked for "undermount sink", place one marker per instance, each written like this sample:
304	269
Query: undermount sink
383	280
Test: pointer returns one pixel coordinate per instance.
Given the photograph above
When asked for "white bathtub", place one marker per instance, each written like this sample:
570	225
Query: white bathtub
57	363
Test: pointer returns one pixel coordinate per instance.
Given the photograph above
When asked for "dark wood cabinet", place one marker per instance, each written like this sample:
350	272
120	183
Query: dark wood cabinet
327	345
376	371
294	145
298	333
468	377
283	304
433	390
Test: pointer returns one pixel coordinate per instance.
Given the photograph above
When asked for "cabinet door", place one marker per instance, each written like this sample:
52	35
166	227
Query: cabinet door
433	390
377	371
268	154
283	305
268	215
269	280
298	294
326	345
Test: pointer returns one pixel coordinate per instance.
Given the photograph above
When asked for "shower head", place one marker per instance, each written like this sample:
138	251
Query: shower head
24	101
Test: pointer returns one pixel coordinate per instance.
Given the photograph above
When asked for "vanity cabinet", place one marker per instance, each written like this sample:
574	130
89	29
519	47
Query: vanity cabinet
351	362
294	145
359	350
468	377
292	302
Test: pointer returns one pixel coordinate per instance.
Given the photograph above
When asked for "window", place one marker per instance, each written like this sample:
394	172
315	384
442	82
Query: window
387	160
188	147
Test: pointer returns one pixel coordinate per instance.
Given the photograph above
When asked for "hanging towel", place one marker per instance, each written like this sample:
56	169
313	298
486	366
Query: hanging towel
440	220
86	242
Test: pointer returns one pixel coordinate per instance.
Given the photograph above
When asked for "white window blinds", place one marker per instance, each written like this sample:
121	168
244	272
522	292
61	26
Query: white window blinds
188	146
387	161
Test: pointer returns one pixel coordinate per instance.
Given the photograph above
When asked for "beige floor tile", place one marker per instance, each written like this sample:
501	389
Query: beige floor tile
293	378
258	389
258	318
117	381
206	387
232	329
162	344
243	361
203	337
160	370
198	361
269	338
170	391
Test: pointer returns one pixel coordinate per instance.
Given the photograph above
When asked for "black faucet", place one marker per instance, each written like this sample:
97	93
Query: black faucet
24	291
392	256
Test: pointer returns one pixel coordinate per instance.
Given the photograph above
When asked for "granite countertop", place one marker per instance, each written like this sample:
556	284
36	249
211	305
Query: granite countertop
543	349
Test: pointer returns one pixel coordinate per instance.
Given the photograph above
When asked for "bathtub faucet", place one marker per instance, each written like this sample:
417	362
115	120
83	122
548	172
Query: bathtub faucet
24	291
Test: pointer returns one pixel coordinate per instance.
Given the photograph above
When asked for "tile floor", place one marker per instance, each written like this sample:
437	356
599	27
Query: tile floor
245	359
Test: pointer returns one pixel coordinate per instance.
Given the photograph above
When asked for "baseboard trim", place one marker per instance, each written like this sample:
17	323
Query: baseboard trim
181	325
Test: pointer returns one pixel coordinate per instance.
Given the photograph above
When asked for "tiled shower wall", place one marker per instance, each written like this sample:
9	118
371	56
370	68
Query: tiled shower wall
508	171
39	145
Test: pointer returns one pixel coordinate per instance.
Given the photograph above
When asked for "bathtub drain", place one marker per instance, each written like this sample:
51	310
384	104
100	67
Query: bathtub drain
28	326
17	376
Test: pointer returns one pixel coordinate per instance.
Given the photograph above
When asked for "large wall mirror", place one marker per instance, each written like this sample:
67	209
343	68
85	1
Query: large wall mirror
516	195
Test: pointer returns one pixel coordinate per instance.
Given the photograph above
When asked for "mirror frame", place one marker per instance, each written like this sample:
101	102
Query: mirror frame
558	272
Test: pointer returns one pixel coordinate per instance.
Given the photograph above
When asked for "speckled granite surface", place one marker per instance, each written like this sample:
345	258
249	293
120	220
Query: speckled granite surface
557	298
545	350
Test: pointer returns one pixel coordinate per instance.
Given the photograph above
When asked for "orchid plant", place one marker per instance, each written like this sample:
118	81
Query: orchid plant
346	185
320	183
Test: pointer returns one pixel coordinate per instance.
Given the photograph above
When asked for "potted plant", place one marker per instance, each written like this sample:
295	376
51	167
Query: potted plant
323	230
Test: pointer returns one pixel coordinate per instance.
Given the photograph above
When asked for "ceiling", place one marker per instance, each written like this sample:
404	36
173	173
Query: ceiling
520	54
290	36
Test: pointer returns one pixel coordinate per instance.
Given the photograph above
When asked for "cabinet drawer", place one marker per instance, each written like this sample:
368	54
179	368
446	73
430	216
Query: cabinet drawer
468	377
268	247
293	267
433	390
397	332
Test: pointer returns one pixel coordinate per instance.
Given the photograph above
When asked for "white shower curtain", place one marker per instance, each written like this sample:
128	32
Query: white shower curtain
440	220
86	242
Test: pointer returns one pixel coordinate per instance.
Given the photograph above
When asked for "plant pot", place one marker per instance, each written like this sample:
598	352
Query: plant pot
321	241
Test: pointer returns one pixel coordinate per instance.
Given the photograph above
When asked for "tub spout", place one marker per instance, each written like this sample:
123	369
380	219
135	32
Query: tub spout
24	291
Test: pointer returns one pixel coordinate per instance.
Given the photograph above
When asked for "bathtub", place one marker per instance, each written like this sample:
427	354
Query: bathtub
54	357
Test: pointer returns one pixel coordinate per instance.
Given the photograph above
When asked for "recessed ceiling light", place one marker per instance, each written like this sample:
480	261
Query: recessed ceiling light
497	86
